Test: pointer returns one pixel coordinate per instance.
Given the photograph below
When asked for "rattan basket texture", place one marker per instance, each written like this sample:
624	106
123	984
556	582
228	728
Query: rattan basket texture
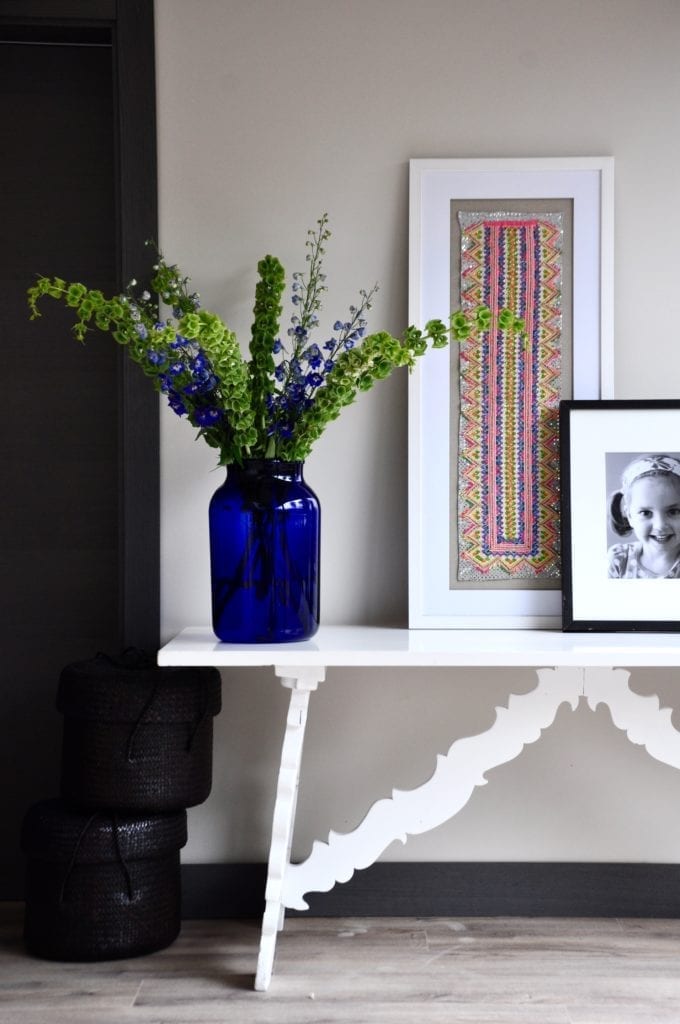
100	886
137	737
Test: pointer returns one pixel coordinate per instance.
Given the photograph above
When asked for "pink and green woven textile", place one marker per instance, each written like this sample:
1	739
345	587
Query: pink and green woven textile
508	458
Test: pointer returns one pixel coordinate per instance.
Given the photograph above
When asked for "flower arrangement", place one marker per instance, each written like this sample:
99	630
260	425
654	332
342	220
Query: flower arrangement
277	403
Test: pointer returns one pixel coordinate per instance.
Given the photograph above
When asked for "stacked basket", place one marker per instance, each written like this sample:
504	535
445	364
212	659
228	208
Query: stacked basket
103	877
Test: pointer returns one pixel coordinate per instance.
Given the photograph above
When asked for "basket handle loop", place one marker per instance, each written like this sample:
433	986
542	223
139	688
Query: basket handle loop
140	720
121	860
200	718
119	856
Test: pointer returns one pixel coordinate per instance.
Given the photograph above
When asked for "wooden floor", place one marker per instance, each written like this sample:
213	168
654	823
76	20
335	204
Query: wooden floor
364	971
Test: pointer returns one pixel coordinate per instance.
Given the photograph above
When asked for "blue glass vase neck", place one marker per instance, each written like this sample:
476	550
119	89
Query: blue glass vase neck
267	467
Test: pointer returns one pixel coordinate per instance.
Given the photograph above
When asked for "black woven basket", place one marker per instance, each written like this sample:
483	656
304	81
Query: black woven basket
137	737
101	886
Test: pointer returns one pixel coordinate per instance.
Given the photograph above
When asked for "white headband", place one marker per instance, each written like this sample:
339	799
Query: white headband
649	465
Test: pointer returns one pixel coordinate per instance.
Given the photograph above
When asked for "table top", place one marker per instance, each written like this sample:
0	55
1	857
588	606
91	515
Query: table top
384	646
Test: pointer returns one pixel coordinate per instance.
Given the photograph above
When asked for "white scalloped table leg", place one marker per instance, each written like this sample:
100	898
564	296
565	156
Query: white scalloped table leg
300	682
448	790
642	718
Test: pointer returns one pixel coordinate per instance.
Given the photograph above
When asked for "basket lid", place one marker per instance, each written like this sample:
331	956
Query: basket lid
55	831
132	686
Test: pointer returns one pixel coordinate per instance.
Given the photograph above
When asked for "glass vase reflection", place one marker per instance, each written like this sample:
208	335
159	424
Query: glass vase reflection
264	554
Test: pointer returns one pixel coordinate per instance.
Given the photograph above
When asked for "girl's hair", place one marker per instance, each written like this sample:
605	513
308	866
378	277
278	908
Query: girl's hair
617	520
643	465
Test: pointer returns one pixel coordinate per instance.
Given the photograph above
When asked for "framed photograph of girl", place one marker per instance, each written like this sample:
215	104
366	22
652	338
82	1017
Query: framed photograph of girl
620	498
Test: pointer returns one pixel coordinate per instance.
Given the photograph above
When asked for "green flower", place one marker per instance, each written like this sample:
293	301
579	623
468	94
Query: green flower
482	318
506	320
190	325
75	294
460	326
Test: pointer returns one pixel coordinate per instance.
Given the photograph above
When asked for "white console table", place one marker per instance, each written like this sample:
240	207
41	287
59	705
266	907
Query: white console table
569	666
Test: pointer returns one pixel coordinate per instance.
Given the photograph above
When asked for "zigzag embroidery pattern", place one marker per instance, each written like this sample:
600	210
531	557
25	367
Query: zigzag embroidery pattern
508	465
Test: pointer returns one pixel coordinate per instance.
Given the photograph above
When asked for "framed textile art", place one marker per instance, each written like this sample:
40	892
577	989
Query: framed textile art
484	479
621	515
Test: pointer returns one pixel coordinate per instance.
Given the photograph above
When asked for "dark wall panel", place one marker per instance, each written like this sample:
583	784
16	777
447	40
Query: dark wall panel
70	415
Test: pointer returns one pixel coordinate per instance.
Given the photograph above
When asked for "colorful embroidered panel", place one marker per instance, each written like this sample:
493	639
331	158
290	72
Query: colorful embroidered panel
508	458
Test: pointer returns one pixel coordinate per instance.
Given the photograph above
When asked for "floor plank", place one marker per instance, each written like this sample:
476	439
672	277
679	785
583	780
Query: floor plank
363	971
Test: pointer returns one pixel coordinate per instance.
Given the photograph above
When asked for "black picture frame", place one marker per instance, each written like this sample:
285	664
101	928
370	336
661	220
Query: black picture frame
600	441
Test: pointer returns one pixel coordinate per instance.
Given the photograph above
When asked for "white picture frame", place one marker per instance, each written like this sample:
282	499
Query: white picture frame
588	184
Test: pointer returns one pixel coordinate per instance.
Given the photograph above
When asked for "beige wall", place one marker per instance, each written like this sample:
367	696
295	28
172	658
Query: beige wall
274	111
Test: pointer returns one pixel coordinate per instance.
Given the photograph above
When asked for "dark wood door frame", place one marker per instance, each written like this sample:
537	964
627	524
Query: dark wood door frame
138	218
129	26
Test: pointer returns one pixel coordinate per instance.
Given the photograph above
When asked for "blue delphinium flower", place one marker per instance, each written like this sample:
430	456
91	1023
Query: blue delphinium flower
208	416
176	404
188	380
301	370
313	356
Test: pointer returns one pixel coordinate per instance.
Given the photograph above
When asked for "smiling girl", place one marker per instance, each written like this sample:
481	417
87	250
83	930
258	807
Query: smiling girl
648	505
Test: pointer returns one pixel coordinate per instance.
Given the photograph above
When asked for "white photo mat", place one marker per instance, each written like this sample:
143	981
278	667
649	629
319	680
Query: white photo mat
434	184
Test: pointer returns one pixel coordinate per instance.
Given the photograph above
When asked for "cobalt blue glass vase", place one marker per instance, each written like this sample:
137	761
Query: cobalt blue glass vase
264	554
